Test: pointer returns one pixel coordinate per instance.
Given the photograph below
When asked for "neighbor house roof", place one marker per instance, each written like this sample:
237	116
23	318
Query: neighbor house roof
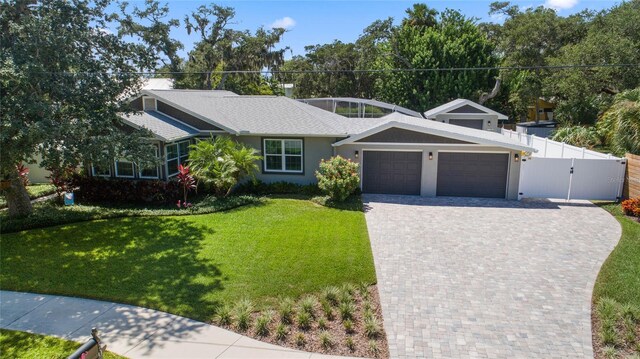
255	115
439	129
163	127
450	106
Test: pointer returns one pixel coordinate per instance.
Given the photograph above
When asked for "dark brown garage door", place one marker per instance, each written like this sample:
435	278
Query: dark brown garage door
472	174
391	172
477	124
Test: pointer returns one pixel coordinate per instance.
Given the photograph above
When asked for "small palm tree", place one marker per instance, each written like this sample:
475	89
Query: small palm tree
222	163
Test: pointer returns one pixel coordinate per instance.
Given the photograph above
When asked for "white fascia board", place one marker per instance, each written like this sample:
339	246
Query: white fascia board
437	132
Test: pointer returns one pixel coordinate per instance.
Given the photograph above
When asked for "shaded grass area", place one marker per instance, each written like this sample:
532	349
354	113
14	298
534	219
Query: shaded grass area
48	214
616	295
35	191
21	345
189	265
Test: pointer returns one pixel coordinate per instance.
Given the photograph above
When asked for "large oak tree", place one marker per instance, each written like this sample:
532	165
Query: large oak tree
63	80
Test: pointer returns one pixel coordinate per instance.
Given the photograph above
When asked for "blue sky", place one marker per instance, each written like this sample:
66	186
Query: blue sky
318	22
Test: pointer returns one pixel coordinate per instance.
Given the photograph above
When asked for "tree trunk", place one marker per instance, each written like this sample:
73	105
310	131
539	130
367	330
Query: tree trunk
17	197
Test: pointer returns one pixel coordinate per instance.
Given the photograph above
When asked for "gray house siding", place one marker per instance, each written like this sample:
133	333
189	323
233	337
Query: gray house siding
185	117
400	135
466	109
430	167
315	149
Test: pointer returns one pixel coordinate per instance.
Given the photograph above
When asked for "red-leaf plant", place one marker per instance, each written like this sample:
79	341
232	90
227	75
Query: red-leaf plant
23	172
187	182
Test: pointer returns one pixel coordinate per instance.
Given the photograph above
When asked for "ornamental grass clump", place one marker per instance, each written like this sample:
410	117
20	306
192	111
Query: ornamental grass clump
300	339
262	324
372	327
308	304
281	331
331	294
223	315
285	311
242	313
326	340
347	309
338	177
304	320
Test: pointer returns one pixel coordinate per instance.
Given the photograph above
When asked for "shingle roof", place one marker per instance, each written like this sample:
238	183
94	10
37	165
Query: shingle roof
441	129
259	115
431	114
164	127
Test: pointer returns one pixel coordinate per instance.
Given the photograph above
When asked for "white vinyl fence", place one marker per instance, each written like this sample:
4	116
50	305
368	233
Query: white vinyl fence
559	170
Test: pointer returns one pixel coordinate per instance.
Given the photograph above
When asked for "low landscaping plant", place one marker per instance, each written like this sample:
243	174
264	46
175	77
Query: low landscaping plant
223	315
119	191
300	339
281	331
308	304
304	320
338	177
286	311
631	207
262	324
326	340
258	187
186	183
242	312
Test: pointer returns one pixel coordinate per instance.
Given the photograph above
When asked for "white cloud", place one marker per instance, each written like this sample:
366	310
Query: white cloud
285	23
560	4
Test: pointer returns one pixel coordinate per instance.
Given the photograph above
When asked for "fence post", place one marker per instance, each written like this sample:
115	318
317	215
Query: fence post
546	142
583	152
562	150
570	178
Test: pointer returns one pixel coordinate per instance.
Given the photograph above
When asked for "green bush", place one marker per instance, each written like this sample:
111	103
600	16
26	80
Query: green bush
338	177
262	324
281	331
578	136
285	311
372	327
243	311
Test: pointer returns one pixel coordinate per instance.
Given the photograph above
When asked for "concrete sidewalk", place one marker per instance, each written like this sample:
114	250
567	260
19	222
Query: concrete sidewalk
131	331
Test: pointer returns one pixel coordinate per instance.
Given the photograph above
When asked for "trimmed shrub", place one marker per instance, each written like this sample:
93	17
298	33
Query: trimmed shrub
338	177
101	190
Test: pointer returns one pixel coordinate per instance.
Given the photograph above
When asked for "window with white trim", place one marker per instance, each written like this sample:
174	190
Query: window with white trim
124	169
150	171
283	155
100	171
177	154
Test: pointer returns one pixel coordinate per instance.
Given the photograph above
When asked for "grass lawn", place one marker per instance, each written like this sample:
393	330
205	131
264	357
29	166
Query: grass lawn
616	295
35	191
188	265
619	277
21	345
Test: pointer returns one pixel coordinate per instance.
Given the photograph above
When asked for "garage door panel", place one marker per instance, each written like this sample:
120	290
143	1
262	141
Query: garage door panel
391	172
472	174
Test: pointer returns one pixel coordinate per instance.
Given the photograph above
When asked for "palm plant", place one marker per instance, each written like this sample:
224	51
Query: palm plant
221	163
620	124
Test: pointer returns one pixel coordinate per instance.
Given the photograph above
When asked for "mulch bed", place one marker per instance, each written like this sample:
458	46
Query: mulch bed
624	349
334	328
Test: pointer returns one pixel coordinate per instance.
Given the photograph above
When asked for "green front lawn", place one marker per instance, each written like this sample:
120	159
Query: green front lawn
616	295
619	277
188	265
21	345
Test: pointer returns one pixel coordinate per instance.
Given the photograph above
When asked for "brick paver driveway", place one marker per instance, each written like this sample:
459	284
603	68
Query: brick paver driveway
462	277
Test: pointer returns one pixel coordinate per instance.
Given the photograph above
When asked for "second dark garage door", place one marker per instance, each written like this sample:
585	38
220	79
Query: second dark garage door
391	172
472	174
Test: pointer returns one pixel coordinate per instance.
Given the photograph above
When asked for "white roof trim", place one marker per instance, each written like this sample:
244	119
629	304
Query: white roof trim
431	114
436	132
208	120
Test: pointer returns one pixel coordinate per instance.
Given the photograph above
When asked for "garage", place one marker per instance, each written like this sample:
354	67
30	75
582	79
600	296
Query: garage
472	174
391	172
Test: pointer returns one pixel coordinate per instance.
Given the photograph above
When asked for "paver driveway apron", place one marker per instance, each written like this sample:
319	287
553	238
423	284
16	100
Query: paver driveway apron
461	277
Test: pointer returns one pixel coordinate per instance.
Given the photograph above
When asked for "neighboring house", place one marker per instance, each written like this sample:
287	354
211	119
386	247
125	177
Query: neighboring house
466	113
399	154
540	110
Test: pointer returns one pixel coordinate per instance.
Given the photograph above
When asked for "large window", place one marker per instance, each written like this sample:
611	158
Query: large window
99	171
124	169
283	155
152	171
177	154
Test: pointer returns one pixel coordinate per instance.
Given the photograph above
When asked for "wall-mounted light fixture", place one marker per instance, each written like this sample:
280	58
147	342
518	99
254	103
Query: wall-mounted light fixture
430	155
489	123
516	157
357	154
